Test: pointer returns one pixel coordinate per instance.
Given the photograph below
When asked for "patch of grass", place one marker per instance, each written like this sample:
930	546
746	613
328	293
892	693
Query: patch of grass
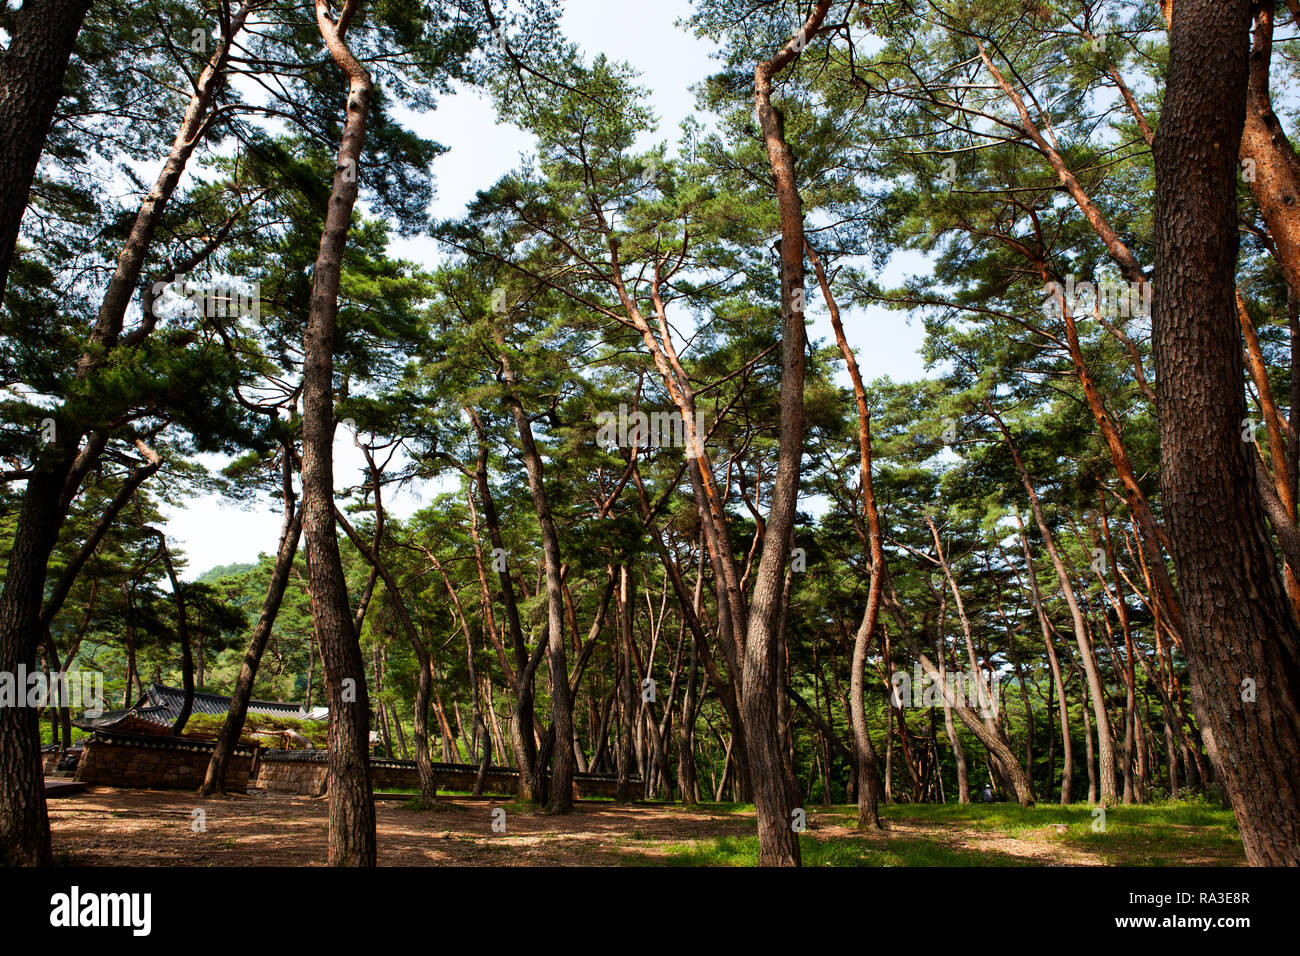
839	851
724	807
523	807
1136	842
1161	834
1013	819
441	792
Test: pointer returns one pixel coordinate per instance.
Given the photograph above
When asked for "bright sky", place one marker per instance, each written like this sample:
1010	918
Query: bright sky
212	532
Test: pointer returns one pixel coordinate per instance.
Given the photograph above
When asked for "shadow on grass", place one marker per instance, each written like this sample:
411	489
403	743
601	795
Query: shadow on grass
1160	834
828	851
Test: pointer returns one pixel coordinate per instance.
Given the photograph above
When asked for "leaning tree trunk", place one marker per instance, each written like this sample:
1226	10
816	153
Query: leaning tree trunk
424	666
57	473
950	728
990	711
1242	645
65	712
522	739
1096	687
1067	748
868	776
726	688
31	82
1271	161
233	725
352	807
182	631
991	737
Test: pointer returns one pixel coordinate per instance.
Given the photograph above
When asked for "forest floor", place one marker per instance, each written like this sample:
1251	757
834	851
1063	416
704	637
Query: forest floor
108	827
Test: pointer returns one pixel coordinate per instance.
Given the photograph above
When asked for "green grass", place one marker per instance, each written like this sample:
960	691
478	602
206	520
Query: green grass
981	834
743	851
737	808
441	792
1162	834
1014	819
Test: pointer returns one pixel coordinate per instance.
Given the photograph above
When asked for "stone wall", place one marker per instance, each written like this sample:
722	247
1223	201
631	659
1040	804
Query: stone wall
304	772
279	775
156	763
164	763
404	775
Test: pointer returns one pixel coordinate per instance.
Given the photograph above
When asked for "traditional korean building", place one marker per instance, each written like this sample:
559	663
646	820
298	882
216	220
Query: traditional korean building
157	710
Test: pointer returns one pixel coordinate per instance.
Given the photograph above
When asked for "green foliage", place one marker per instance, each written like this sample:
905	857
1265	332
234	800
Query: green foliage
209	725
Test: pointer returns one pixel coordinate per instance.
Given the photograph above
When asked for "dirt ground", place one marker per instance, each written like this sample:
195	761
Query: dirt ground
109	827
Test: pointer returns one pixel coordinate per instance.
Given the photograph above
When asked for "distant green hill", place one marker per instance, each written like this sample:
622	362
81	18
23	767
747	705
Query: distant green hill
221	570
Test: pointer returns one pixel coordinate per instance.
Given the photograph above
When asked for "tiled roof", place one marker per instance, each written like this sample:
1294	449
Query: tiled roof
166	702
161	705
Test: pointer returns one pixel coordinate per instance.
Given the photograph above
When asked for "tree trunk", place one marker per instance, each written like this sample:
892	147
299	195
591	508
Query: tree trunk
1096	688
1088	756
628	683
182	633
381	711
352	807
522	732
1063	708
775	791
958	752
228	738
992	739
560	786
688	783
1275	182
31	83
424	682
1240	626
58	471
868	776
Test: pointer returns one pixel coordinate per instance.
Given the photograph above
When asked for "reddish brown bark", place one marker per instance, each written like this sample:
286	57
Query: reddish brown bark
352	808
868	775
1239	622
1275	182
775	791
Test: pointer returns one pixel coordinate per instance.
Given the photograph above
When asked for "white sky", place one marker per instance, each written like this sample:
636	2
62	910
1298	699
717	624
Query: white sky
212	532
